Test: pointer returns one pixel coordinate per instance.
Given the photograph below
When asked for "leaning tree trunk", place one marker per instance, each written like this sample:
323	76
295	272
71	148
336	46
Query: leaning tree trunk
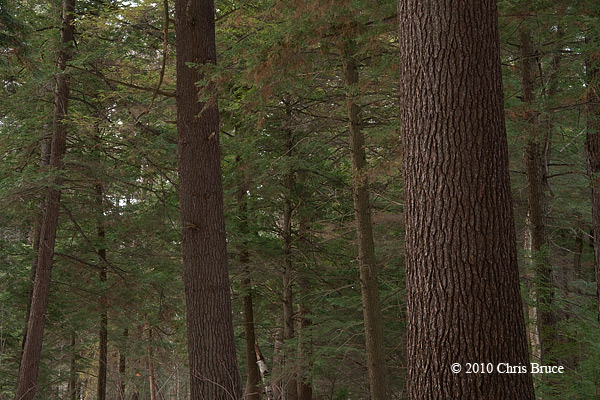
36	229
211	347
30	361
367	264
463	296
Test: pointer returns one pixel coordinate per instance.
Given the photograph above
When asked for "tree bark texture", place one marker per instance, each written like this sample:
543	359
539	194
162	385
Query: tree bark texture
212	359
463	297
367	264
593	159
30	361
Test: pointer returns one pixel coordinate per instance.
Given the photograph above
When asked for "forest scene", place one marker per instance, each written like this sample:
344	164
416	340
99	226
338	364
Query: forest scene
299	200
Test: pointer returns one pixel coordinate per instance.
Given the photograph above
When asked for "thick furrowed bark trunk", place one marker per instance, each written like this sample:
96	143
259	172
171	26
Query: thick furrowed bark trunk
211	347
30	361
463	295
367	264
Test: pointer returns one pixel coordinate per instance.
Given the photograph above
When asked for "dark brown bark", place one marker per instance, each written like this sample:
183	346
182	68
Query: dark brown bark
463	297
367	264
593	159
253	389
29	368
45	150
103	331
211	348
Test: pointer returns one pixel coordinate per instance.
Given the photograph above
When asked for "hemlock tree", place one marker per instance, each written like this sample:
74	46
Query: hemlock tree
32	347
463	298
212	358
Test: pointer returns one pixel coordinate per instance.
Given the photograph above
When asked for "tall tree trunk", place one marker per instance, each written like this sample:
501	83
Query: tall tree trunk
72	387
154	390
303	322
304	344
122	366
367	264
253	390
103	332
278	366
45	149
30	362
463	296
593	158
289	384
536	240
211	347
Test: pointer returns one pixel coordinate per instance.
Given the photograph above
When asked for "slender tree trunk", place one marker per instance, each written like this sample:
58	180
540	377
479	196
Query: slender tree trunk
45	149
72	388
30	362
122	366
536	242
252	375
154	392
303	323
463	295
593	159
304	344
289	385
367	264
103	332
578	252
211	347
278	366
